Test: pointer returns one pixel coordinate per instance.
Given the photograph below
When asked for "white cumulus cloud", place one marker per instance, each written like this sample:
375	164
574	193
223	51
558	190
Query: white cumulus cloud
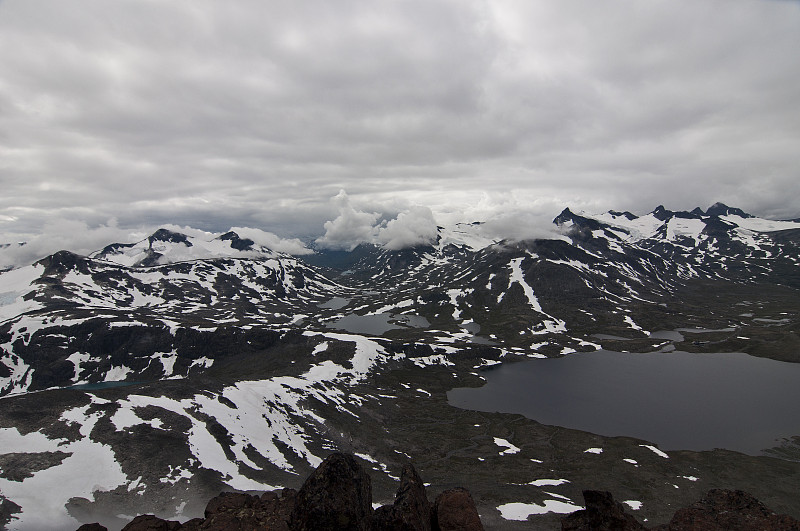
411	228
351	228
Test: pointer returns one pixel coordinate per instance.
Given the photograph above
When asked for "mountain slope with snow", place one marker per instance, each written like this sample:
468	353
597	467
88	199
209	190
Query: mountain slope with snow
182	365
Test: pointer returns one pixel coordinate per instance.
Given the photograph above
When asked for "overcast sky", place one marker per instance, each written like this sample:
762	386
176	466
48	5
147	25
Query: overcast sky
121	115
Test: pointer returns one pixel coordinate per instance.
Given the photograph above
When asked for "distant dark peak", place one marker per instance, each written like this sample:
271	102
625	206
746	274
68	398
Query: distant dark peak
687	215
626	214
717	209
698	211
721	209
240	244
164	235
61	262
581	223
565	216
662	213
62	257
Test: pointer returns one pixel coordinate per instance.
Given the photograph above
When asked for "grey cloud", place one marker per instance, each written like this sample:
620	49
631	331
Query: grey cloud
65	234
80	238
254	114
350	228
411	228
386	226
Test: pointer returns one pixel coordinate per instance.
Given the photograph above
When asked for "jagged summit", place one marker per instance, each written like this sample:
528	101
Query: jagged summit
168	236
238	243
568	217
720	209
662	213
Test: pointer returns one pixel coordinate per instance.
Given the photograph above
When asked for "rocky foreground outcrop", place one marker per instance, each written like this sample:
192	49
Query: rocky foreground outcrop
719	510
337	496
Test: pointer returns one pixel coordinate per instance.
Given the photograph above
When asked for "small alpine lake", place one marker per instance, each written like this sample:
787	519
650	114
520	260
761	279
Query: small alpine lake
379	323
679	400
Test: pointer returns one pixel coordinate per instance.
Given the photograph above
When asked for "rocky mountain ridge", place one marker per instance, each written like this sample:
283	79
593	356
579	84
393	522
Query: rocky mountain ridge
166	383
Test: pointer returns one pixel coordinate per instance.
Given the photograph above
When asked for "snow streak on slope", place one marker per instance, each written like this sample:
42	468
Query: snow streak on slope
552	324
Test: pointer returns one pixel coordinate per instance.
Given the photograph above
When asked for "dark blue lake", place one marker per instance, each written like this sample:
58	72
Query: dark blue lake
680	401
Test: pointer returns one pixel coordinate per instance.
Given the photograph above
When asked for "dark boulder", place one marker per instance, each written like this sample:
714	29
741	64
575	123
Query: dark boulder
602	513
93	527
455	510
229	502
729	510
411	510
149	522
337	496
235	510
238	243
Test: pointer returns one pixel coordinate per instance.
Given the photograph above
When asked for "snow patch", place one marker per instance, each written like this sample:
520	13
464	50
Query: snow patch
90	468
547	482
510	448
655	450
521	511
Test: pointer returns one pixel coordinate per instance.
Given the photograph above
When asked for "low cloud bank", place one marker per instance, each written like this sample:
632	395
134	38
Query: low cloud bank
23	249
384	220
272	241
63	234
411	227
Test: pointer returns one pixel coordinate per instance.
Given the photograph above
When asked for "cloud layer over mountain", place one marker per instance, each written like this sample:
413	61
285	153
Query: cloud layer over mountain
215	115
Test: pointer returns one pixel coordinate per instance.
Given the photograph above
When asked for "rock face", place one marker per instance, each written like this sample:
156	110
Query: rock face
411	510
729	510
602	513
148	522
336	497
234	510
92	527
719	510
455	510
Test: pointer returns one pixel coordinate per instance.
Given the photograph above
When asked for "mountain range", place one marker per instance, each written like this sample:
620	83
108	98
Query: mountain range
147	377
